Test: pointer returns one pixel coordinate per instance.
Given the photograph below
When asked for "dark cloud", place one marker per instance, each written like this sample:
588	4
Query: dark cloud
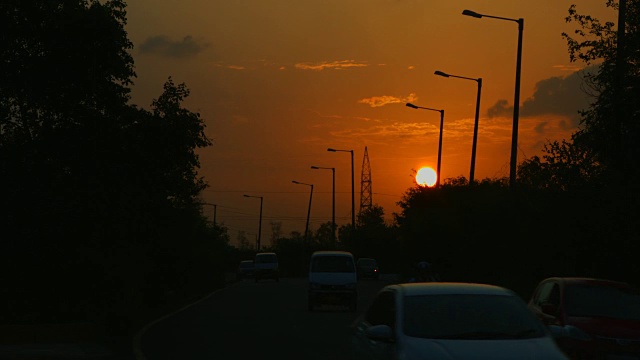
162	45
500	109
539	129
556	95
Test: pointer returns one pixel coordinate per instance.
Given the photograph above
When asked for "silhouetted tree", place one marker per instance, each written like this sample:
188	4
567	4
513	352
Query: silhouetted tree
564	167
611	124
276	231
243	242
600	163
458	181
101	195
323	237
64	71
293	255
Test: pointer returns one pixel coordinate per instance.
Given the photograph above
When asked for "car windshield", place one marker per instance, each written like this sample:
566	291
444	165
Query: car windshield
602	301
267	258
469	317
332	264
366	262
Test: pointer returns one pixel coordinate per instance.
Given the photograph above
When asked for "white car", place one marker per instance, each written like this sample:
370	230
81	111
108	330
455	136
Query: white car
332	280
450	321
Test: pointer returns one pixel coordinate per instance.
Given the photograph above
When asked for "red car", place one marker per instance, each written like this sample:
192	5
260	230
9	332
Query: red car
597	318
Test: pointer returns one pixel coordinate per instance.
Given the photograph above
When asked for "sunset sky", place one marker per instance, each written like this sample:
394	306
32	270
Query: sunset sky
279	81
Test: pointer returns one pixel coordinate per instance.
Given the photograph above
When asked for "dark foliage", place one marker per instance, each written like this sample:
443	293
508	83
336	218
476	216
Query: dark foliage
611	125
488	233
102	221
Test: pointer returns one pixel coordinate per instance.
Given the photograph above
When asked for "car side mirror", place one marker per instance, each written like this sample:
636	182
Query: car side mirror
380	333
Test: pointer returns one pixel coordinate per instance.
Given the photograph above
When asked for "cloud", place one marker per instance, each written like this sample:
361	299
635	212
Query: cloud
572	68
499	109
396	130
232	67
558	95
377	101
539	129
162	45
336	65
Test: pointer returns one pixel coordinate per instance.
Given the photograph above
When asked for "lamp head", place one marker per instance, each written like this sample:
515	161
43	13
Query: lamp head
440	73
471	13
411	106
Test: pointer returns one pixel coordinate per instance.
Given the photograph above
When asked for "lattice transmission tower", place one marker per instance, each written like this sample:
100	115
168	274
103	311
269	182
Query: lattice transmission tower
365	183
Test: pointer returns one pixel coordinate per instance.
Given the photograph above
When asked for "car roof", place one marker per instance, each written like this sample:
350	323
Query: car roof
331	252
246	261
569	280
265	253
449	288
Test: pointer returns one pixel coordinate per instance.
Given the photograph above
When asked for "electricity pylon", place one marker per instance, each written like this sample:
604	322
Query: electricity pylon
365	183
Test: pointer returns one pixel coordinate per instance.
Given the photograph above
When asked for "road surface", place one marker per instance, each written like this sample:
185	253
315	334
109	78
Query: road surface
264	320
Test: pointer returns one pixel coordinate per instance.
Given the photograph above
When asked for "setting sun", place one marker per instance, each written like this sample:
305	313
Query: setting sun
426	176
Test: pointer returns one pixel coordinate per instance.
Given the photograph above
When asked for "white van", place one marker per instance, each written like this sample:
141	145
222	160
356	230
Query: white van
332	279
265	266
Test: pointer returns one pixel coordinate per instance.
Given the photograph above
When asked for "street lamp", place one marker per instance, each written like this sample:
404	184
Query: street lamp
333	202
306	228
353	202
259	223
516	100
475	125
439	139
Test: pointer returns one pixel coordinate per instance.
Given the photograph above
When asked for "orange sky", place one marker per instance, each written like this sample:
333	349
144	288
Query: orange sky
280	81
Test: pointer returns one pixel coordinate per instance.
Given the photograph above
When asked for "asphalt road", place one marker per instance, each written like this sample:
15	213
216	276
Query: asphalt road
265	320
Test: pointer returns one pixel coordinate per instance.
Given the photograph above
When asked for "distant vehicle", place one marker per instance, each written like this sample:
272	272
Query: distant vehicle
245	269
332	279
600	318
367	268
266	266
450	321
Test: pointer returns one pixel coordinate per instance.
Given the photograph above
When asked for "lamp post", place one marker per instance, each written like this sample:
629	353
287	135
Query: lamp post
260	222
353	201
516	99
333	202
439	139
306	228
475	125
